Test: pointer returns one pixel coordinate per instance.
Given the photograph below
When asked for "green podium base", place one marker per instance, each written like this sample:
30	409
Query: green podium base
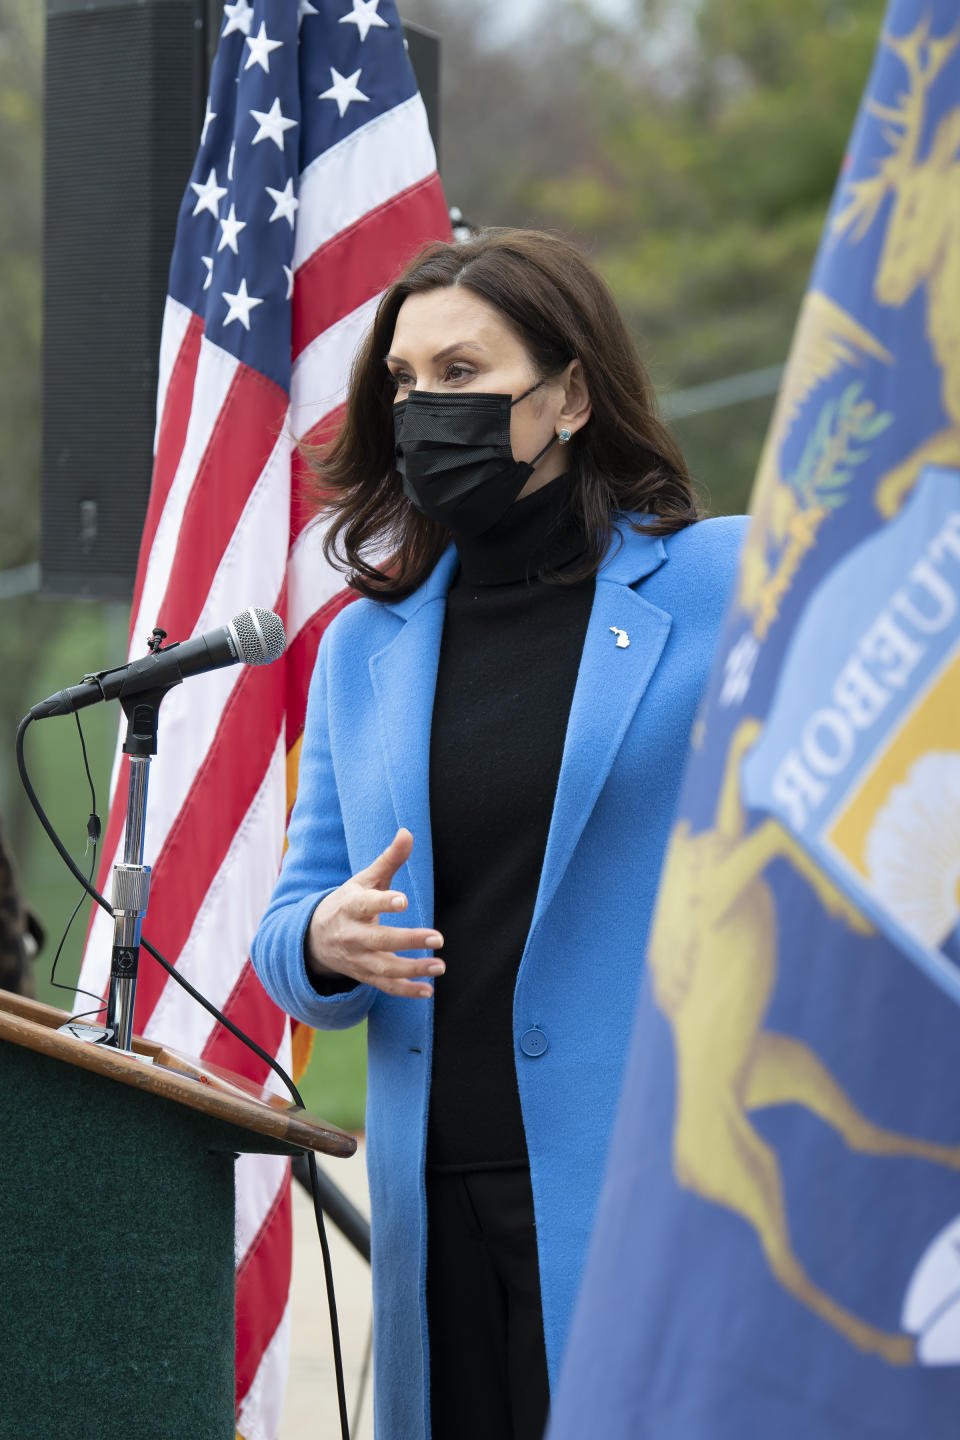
116	1258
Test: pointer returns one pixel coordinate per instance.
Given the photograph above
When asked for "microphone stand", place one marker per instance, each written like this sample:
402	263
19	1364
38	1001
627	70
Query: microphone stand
131	878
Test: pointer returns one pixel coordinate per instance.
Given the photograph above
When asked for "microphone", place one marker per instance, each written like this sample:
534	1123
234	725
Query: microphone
254	637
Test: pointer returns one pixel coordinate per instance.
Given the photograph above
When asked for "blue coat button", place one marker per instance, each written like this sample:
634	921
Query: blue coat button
534	1043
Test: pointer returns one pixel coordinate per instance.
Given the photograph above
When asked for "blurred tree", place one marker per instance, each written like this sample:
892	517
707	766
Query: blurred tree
43	643
26	625
21	140
511	112
693	151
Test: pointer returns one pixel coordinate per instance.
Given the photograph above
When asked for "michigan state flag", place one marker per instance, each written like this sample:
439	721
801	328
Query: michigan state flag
777	1247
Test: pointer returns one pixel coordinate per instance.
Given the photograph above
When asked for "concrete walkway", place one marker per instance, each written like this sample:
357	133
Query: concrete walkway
310	1409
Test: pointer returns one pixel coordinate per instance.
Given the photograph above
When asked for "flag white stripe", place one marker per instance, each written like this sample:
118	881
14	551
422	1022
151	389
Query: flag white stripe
215	372
311	580
284	1055
380	160
260	1178
219	942
176	320
262	1407
321	372
191	713
238	923
257	547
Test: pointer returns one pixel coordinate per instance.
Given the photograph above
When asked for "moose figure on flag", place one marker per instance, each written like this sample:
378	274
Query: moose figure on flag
776	1248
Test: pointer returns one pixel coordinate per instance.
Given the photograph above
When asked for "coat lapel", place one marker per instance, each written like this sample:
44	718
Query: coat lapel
404	677
610	685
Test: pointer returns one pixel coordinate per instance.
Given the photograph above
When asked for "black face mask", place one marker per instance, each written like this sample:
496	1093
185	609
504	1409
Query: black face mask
453	454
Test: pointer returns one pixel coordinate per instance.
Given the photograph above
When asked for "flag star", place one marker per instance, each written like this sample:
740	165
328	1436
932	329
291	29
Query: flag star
239	306
364	16
239	17
208	261
233	156
344	90
304	9
260	48
272	125
286	203
288	271
231	228
208	195
210	115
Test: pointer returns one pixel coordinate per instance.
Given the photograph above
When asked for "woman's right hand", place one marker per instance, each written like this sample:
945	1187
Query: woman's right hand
345	937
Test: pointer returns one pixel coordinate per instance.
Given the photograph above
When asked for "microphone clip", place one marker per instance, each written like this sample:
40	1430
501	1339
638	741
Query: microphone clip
142	712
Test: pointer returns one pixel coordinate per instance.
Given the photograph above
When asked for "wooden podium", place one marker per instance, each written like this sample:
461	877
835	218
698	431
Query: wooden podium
117	1251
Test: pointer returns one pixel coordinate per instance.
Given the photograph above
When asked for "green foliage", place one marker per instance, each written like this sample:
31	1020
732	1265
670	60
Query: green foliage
36	637
21	137
693	152
706	200
334	1085
55	764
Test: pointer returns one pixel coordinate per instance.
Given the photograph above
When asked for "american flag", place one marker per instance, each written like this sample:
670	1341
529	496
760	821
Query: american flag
314	182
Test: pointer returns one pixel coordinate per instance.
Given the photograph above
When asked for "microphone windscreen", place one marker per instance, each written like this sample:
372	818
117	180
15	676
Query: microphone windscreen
258	635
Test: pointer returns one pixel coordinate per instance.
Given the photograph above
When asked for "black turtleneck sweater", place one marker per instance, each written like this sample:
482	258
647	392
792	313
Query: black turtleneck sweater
508	666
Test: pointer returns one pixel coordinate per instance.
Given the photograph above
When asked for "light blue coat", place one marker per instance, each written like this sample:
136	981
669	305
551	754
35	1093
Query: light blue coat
364	771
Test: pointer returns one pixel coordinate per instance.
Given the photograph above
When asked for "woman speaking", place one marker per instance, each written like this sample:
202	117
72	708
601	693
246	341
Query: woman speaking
493	751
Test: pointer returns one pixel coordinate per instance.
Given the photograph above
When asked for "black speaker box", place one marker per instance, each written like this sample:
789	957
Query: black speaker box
125	88
126	82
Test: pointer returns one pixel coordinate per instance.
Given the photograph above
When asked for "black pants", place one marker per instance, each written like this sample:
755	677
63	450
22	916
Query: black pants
488	1366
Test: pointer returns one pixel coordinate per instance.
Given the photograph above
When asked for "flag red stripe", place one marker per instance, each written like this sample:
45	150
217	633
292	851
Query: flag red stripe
170	441
248	425
241	443
262	1282
209	818
303	484
171	437
254	1012
365	259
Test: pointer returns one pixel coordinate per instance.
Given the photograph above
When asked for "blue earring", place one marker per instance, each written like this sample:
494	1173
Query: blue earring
563	437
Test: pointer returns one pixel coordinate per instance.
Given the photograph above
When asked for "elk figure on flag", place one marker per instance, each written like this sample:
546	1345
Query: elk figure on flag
314	182
777	1248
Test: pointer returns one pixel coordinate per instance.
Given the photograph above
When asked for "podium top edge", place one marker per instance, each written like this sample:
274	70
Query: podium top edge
180	1079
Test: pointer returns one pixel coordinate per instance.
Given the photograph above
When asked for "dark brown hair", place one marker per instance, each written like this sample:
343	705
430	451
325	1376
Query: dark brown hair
624	458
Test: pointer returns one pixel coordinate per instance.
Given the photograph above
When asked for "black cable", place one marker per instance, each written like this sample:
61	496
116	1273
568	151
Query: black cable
93	833
58	984
351	1222
328	1280
84	1013
269	1060
311	1163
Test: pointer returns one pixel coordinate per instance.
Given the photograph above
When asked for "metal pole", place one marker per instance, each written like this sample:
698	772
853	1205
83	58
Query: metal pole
131	891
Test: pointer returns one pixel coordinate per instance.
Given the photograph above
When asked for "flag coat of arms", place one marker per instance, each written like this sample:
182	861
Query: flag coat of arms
314	182
777	1249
